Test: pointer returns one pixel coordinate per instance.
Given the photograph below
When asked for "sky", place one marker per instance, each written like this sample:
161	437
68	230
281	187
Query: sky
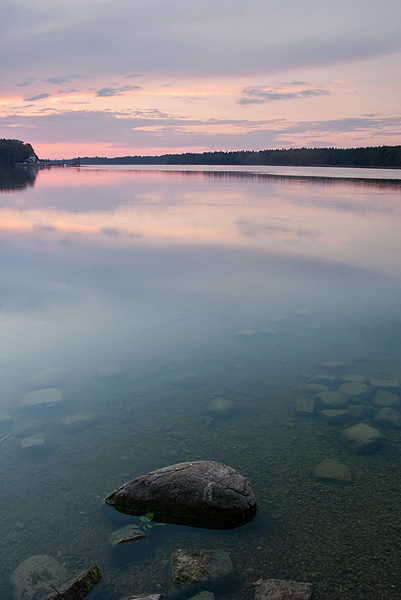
149	77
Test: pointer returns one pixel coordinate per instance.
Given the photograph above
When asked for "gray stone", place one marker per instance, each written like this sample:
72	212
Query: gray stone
332	399
200	493
335	416
220	407
391	385
80	587
32	579
356	392
77	422
276	589
192	567
46	397
388	417
362	438
333	470
384	398
354	378
305	407
126	534
32	441
361	411
47	378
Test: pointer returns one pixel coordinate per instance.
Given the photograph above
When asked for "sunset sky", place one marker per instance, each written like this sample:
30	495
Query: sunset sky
118	77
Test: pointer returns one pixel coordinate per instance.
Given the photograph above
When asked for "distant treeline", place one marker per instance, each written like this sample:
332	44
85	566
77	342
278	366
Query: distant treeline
14	151
375	156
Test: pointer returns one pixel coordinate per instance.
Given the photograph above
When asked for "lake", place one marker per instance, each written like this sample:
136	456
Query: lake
188	313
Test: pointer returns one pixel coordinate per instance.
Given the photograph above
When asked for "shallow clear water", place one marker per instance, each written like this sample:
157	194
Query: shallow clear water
155	291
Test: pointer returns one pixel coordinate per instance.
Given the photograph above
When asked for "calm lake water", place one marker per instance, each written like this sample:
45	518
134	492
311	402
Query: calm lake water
145	293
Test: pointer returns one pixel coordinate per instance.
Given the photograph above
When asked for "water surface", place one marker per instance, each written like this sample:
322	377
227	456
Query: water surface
156	291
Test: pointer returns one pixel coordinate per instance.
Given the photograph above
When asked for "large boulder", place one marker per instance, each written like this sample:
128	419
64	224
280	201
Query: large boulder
200	494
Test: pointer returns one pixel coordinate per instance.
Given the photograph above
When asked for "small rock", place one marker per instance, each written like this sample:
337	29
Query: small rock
384	398
332	399
391	385
356	392
335	416
47	378
77	422
362	438
80	587
354	378
333	470
276	589
126	534
31	580
361	411
220	407
33	441
305	407
196	566
46	397
388	417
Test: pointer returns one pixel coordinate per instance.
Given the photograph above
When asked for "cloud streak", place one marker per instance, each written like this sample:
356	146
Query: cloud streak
261	94
202	63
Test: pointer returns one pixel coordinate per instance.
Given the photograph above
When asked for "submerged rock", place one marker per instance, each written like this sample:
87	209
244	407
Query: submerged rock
80	587
382	398
332	399
220	407
192	568
356	392
388	417
335	416
47	378
46	397
77	422
276	589
200	494
391	385
354	378
362	438
126	534
33	578
333	470
304	407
